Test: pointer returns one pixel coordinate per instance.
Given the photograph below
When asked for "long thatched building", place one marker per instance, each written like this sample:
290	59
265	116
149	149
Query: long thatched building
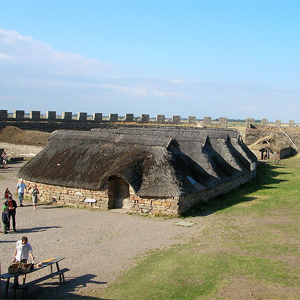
155	170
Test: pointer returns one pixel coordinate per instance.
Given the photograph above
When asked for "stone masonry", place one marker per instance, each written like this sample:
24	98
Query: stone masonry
153	206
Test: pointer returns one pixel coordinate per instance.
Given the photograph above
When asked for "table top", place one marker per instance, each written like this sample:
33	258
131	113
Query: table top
45	263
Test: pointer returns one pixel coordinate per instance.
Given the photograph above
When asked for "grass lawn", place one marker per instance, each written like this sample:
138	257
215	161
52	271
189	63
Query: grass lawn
249	249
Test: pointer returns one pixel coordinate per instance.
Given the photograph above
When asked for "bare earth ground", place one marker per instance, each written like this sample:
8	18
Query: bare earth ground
97	245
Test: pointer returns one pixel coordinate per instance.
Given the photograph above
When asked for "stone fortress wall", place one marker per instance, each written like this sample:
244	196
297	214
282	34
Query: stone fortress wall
81	121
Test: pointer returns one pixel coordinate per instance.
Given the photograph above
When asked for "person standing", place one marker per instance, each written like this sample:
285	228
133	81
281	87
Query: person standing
21	187
4	159
23	251
34	194
7	193
12	210
5	219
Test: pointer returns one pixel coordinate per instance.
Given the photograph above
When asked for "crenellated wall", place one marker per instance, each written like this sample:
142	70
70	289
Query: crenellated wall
51	121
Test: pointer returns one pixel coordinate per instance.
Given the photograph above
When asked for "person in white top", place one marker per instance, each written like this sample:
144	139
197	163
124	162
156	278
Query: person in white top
23	251
21	187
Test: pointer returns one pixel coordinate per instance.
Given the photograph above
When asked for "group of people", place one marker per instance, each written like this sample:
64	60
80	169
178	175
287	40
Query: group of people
10	205
23	249
9	211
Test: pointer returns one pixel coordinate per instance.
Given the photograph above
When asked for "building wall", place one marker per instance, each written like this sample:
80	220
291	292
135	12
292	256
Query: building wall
135	204
185	203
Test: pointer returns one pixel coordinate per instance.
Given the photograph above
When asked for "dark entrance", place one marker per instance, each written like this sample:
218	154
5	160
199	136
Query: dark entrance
118	190
264	154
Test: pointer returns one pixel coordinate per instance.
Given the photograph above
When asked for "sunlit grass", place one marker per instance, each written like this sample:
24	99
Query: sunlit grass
252	241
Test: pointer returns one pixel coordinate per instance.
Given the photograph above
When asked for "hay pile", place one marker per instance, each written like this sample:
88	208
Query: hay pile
15	135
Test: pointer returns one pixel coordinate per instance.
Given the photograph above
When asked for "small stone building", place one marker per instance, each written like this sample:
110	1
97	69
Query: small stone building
153	170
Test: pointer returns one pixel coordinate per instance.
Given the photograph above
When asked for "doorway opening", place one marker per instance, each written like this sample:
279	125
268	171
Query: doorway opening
118	193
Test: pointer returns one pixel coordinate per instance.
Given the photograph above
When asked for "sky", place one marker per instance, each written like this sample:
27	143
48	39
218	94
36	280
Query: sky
234	59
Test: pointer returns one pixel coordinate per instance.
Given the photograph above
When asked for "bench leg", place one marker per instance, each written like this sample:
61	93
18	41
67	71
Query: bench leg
62	278
7	286
16	283
24	295
61	275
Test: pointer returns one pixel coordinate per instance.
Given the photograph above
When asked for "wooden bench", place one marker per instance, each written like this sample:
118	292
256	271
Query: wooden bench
33	282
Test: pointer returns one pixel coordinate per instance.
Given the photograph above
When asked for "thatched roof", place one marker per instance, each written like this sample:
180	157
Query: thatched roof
274	142
156	162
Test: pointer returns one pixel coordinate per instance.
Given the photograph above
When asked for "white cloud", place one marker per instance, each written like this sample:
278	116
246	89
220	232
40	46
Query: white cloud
142	90
30	53
6	57
35	75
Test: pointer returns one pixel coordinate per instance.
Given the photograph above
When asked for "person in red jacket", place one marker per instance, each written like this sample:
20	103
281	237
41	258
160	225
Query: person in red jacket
7	193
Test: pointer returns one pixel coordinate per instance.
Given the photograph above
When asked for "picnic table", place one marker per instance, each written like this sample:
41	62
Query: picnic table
45	263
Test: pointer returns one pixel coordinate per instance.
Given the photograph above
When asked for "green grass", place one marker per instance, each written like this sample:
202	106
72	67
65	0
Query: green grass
249	248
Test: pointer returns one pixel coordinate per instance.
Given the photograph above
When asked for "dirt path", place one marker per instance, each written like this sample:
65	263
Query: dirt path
97	245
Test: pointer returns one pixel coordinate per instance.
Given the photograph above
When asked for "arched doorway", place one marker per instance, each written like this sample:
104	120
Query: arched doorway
118	191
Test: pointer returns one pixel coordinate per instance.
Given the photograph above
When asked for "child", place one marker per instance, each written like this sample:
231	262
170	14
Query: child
5	219
7	193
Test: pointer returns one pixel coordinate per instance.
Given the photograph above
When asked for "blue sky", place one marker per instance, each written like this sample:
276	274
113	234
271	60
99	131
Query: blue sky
236	59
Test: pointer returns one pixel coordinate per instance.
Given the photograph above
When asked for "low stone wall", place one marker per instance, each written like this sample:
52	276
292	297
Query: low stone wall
187	202
70	196
153	206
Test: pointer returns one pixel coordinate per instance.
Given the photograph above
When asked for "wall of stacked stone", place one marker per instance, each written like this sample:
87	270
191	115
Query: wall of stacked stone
70	196
51	121
19	115
76	197
152	206
187	202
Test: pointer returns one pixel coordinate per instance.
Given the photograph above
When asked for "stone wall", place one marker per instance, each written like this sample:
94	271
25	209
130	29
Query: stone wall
185	203
71	196
81	121
153	206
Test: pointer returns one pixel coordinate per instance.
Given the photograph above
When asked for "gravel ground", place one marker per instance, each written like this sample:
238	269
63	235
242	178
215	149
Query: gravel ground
14	150
97	245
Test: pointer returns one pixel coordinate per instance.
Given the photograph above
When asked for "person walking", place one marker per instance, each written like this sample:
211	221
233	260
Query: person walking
5	219
12	210
21	187
7	193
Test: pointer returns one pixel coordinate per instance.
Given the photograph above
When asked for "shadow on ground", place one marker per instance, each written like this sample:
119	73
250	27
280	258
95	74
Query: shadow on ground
54	290
266	176
36	229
